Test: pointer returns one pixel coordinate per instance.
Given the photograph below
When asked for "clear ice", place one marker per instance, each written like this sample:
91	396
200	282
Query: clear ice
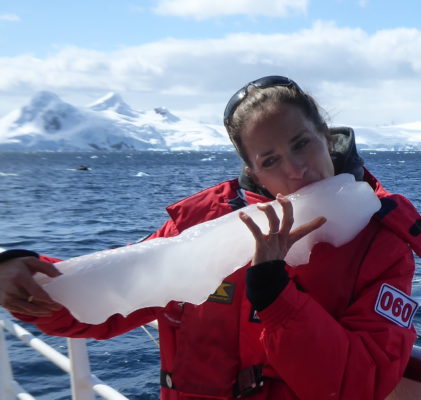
190	266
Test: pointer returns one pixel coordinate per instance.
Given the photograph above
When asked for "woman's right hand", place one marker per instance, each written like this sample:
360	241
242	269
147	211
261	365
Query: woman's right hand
20	293
276	243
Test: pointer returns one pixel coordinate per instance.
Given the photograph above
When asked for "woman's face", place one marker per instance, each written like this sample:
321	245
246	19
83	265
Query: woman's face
285	150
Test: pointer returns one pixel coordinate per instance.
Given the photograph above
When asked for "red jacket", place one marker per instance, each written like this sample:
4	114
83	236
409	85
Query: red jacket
320	339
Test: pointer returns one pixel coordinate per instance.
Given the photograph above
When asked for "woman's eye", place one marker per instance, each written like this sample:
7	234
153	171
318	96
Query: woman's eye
269	162
301	143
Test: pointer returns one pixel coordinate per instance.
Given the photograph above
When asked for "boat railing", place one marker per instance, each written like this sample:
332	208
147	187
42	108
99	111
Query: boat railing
84	385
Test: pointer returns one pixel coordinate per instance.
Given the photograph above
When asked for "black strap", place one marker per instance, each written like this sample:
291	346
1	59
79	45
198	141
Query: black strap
166	380
9	254
249	381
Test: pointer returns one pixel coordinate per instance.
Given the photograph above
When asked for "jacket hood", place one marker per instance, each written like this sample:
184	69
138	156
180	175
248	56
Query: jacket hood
344	153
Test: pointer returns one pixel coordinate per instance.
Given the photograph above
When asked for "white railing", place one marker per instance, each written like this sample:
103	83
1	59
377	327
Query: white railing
84	385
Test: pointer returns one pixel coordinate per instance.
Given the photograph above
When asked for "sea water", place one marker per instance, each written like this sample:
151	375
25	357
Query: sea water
49	206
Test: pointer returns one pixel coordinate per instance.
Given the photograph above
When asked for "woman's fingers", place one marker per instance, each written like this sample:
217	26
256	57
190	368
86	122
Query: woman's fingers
19	292
253	227
19	299
31	287
271	216
267	248
36	265
305	229
288	217
39	295
273	219
22	306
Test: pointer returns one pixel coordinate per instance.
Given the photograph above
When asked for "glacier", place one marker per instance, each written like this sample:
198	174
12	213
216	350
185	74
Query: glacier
47	123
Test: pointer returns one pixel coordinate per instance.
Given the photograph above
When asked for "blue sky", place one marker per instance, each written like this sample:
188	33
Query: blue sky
43	26
360	58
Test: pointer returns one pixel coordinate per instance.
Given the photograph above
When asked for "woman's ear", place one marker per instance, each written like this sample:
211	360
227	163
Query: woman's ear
330	146
253	176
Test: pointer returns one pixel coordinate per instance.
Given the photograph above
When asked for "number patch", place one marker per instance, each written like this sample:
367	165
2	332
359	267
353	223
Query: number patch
396	306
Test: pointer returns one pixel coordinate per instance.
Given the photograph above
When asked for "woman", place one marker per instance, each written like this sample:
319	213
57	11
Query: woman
270	331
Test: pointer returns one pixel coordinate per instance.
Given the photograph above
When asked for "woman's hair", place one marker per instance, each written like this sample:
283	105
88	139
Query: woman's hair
265	100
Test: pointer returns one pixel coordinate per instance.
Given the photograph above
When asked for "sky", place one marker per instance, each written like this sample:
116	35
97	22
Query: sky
360	59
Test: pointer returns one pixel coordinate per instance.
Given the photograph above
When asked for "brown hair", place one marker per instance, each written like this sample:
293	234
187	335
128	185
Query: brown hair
264	100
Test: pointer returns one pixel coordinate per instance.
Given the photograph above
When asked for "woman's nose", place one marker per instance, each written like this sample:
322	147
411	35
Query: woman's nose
294	168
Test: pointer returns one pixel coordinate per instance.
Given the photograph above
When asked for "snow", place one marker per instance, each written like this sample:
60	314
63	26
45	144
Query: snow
113	102
110	124
390	137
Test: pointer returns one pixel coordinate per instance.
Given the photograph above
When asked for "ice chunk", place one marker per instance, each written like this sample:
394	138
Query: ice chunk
190	266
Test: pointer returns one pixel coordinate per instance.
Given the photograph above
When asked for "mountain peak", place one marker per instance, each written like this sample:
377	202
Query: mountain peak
110	99
114	102
43	99
39	104
166	114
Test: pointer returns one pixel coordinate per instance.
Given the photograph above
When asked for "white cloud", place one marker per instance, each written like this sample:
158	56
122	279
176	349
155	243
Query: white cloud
201	9
358	77
9	17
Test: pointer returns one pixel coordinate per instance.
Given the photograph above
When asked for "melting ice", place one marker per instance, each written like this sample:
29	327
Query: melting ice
190	266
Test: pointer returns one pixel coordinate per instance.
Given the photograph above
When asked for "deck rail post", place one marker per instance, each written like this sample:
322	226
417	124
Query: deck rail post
80	370
6	376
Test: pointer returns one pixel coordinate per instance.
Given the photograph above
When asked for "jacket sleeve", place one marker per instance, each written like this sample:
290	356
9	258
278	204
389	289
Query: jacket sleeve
362	355
62	323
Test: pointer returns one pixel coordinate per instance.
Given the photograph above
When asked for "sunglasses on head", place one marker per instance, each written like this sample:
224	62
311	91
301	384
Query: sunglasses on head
265	82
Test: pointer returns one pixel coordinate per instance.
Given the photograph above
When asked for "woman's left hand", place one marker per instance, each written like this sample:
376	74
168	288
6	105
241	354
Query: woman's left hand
275	244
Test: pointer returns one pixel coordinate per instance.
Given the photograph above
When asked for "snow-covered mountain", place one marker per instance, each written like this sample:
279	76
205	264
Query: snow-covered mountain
48	123
404	137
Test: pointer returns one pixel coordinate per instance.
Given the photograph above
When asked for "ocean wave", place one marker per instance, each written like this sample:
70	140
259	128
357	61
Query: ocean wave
141	174
7	174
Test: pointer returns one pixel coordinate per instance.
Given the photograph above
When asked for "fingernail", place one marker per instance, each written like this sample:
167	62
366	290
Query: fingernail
53	307
47	314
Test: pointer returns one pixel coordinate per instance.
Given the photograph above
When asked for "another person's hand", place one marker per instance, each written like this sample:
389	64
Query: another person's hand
20	293
275	244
